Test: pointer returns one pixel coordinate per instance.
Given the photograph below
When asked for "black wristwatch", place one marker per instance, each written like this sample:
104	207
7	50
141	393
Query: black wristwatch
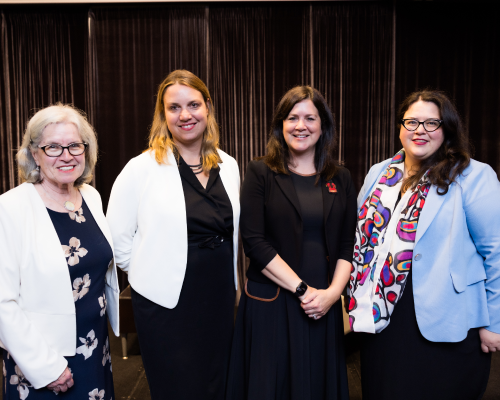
301	289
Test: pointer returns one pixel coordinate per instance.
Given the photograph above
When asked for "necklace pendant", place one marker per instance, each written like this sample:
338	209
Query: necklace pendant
68	205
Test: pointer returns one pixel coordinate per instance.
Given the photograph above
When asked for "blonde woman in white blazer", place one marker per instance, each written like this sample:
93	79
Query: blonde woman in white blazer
57	276
173	214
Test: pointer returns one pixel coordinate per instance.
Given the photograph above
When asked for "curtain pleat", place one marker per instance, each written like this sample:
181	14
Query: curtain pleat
456	50
42	63
136	48
251	68
91	70
353	68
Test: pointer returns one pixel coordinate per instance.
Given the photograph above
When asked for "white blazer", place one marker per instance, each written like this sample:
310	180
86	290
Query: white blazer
147	218
37	310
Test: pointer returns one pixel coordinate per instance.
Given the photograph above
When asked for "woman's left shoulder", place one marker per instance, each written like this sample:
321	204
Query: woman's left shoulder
342	174
478	173
90	193
227	159
224	156
86	188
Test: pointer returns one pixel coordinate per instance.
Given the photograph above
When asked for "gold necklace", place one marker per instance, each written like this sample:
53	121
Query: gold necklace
68	205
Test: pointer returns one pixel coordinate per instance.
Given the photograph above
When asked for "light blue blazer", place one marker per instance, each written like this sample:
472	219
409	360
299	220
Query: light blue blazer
456	259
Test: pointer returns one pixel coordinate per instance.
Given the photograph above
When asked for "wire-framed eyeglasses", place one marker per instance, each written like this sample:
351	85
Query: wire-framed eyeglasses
430	125
55	150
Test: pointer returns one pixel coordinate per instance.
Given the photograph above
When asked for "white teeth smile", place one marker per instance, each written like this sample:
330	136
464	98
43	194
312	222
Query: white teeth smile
66	168
188	126
301	136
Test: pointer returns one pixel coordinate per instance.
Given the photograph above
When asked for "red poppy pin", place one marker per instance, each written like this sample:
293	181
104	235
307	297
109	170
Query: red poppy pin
331	187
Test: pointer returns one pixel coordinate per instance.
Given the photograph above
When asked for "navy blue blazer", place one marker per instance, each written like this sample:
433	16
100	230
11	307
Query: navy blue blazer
456	259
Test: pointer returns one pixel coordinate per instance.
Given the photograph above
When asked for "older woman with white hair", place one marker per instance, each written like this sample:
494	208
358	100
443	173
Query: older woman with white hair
57	274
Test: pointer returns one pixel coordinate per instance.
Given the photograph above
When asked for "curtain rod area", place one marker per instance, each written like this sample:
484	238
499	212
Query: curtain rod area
151	1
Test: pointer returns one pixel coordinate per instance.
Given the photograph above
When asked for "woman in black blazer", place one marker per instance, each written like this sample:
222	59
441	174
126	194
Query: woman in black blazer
298	216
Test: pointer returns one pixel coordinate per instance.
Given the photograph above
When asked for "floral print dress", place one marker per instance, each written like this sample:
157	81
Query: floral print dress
88	255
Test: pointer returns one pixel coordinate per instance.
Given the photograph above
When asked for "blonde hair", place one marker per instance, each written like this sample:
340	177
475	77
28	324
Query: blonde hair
160	138
56	114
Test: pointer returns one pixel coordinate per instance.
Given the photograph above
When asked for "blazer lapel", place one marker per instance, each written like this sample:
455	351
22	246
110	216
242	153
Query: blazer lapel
433	203
328	198
96	210
286	185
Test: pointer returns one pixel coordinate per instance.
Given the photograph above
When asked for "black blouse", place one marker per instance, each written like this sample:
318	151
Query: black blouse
208	210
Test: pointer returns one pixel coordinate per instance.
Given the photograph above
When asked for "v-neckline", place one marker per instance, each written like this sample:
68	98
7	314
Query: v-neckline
188	174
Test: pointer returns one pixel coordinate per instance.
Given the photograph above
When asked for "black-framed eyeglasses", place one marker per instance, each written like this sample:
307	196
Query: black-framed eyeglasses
430	125
55	150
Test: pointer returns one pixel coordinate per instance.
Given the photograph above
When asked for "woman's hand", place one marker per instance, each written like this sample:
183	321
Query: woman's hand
316	303
490	341
63	383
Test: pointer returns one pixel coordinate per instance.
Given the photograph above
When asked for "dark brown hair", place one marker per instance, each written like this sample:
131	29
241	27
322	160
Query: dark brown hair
453	156
160	139
278	155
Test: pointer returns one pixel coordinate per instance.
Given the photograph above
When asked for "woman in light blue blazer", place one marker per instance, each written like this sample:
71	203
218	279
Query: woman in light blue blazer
425	281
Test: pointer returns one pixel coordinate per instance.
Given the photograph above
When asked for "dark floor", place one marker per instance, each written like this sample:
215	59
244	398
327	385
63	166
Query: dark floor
131	384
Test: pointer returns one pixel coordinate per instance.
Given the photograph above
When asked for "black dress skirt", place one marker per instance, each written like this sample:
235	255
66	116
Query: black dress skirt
279	352
185	350
399	363
88	254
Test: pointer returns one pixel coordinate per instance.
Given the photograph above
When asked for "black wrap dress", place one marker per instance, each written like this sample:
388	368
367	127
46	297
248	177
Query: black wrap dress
185	350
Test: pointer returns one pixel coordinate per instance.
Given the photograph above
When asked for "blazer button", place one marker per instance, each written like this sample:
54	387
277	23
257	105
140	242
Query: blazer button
418	257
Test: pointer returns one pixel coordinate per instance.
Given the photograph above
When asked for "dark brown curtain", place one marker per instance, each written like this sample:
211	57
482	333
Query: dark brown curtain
353	66
136	48
456	49
250	68
43	62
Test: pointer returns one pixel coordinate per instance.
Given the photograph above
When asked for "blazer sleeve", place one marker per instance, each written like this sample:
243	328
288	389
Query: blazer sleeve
252	221
39	362
350	219
122	212
481	197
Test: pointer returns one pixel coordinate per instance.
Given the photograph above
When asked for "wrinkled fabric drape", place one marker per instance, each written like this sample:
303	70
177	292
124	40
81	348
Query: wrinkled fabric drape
251	68
43	61
353	59
455	49
136	48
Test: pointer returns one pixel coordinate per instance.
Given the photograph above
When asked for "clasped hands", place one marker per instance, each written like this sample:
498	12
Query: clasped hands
317	302
63	383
